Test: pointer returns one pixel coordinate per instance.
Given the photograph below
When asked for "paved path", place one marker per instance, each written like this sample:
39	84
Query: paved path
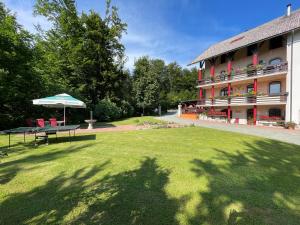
291	136
110	129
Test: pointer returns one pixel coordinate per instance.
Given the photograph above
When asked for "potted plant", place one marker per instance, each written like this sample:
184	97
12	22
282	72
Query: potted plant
259	69
251	96
250	121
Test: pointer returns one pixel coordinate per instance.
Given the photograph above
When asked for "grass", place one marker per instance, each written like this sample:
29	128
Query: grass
164	176
131	121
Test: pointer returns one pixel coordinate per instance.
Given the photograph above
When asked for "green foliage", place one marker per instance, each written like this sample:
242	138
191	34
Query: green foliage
175	97
107	110
19	82
82	55
155	83
83	51
126	109
146	84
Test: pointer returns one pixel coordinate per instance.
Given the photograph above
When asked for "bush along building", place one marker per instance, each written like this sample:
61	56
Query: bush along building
251	78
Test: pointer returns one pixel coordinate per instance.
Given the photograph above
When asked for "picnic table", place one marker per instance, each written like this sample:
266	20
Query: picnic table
37	130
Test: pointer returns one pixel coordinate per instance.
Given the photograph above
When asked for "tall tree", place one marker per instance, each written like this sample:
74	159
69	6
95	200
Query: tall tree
19	82
83	50
145	84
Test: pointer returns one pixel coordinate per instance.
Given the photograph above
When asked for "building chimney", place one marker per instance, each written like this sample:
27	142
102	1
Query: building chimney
288	9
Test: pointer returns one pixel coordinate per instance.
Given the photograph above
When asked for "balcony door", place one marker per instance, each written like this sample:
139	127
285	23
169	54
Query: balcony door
249	116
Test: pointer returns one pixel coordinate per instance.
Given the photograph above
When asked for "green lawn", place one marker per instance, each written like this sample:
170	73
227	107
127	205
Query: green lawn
130	121
161	176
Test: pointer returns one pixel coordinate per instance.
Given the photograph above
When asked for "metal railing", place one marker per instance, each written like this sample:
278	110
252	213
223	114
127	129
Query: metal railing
245	73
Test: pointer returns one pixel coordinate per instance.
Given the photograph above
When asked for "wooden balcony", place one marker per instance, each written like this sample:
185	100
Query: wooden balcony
246	73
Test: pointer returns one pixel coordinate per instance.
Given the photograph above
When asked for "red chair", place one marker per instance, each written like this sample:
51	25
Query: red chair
53	122
40	122
30	122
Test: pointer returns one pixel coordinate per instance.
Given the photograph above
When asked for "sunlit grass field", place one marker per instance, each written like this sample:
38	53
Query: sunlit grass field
161	176
129	121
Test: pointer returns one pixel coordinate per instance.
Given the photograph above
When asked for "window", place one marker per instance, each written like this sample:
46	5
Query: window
250	88
251	49
275	112
274	87
223	58
224	92
276	42
275	61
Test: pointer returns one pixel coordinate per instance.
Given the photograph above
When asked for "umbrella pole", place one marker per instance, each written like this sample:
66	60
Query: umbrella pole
64	115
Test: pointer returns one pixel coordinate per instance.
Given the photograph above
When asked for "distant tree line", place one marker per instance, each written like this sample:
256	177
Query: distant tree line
82	55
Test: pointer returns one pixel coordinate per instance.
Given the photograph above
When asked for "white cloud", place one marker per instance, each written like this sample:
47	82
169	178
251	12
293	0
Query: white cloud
149	32
167	44
24	15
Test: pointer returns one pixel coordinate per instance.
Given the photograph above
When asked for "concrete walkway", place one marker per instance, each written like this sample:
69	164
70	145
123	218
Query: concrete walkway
277	133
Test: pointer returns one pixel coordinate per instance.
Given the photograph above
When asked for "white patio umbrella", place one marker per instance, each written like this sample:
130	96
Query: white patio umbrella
60	101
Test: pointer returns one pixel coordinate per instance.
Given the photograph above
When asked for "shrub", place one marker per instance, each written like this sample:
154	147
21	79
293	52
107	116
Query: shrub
290	125
107	110
126	109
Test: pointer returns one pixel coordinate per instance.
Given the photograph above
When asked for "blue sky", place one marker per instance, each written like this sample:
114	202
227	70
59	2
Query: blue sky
173	30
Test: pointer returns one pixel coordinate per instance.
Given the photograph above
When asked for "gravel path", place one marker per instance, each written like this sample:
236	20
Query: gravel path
290	136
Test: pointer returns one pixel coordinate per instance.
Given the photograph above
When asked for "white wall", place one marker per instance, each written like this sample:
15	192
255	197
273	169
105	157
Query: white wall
293	101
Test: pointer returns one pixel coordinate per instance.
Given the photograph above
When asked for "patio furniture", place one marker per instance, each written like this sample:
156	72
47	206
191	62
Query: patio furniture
40	122
53	122
60	101
30	122
36	130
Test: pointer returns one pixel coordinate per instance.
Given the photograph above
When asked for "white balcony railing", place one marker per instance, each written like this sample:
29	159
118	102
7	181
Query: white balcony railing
246	73
240	100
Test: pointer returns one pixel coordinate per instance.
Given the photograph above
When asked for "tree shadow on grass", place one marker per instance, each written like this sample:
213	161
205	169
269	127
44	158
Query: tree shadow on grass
128	198
64	139
50	203
9	169
133	197
259	186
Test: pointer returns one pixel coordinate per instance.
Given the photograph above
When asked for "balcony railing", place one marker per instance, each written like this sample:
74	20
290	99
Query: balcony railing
248	99
245	73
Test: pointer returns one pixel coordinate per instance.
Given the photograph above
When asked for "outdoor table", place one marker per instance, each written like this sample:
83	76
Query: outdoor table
36	130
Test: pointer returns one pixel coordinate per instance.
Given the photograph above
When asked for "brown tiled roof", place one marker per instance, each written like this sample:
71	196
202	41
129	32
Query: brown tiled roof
273	28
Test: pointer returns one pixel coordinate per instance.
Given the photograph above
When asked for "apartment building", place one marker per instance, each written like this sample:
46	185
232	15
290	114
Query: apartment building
251	78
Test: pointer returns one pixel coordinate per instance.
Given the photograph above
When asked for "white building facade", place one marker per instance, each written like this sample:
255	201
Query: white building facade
251	78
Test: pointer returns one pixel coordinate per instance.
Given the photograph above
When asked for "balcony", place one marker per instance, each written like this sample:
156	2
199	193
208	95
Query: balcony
246	73
261	99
